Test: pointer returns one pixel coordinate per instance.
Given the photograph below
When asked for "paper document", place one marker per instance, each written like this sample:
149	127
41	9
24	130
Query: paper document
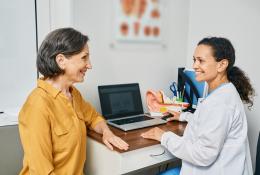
9	116
156	114
6	120
14	111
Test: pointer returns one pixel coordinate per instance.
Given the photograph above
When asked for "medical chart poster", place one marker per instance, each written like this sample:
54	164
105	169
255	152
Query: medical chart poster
138	20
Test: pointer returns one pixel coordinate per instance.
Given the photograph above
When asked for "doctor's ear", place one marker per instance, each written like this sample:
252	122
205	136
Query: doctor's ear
222	65
60	60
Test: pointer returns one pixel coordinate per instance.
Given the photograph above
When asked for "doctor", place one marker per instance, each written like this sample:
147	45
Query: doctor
215	139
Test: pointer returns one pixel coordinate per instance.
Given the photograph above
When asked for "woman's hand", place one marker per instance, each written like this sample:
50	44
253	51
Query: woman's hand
175	115
111	140
155	134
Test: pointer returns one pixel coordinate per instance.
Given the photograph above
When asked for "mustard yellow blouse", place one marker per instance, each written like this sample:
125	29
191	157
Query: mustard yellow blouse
53	131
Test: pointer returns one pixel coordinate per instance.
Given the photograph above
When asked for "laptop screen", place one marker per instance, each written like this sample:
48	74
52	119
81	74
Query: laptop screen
120	100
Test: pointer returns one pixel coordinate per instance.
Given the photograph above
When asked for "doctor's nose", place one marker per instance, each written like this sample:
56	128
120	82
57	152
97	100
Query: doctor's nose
89	65
195	65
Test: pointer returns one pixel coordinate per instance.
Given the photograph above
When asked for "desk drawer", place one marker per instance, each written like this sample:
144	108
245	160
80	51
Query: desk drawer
102	161
145	157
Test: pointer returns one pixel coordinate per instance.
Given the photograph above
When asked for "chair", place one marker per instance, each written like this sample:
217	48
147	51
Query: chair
174	171
257	161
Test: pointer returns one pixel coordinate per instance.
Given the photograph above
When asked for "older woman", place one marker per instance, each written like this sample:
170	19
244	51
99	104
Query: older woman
54	119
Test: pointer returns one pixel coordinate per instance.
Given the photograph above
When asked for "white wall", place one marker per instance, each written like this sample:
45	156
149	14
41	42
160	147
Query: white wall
52	14
237	20
151	65
18	51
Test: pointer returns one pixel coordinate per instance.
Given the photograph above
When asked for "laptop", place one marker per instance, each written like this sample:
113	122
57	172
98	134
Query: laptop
121	105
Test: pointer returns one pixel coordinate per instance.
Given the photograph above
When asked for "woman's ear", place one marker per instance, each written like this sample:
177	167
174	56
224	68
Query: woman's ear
223	64
60	60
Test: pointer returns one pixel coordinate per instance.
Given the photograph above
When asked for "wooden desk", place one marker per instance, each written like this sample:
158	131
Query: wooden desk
142	153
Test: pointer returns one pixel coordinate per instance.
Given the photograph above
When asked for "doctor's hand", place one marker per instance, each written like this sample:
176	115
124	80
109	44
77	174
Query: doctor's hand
175	115
111	140
155	134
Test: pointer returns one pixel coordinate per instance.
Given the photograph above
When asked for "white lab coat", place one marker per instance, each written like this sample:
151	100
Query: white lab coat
215	139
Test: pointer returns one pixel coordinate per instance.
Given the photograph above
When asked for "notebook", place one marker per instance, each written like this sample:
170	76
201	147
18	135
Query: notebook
121	105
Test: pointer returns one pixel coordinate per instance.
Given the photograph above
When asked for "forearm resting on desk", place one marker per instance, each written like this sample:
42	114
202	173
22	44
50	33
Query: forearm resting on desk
109	138
185	116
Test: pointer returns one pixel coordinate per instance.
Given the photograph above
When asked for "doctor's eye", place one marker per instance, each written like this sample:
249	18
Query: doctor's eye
85	57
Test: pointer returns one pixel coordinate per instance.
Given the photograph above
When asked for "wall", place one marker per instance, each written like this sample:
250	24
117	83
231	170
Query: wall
18	52
152	65
51	15
237	20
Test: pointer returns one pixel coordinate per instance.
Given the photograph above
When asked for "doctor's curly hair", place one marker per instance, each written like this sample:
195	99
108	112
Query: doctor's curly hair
223	49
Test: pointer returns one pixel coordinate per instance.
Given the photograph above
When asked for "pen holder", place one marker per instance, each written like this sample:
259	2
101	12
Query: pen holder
179	99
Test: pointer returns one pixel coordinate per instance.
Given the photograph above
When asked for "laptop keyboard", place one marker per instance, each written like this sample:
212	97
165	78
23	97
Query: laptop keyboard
131	120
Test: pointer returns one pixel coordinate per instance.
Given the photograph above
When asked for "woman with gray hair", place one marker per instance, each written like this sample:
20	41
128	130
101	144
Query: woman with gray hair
54	120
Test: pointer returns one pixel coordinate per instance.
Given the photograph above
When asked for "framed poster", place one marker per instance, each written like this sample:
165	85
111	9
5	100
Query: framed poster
138	20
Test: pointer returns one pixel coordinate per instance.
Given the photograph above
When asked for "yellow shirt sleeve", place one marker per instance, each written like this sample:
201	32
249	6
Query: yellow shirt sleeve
35	134
91	116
